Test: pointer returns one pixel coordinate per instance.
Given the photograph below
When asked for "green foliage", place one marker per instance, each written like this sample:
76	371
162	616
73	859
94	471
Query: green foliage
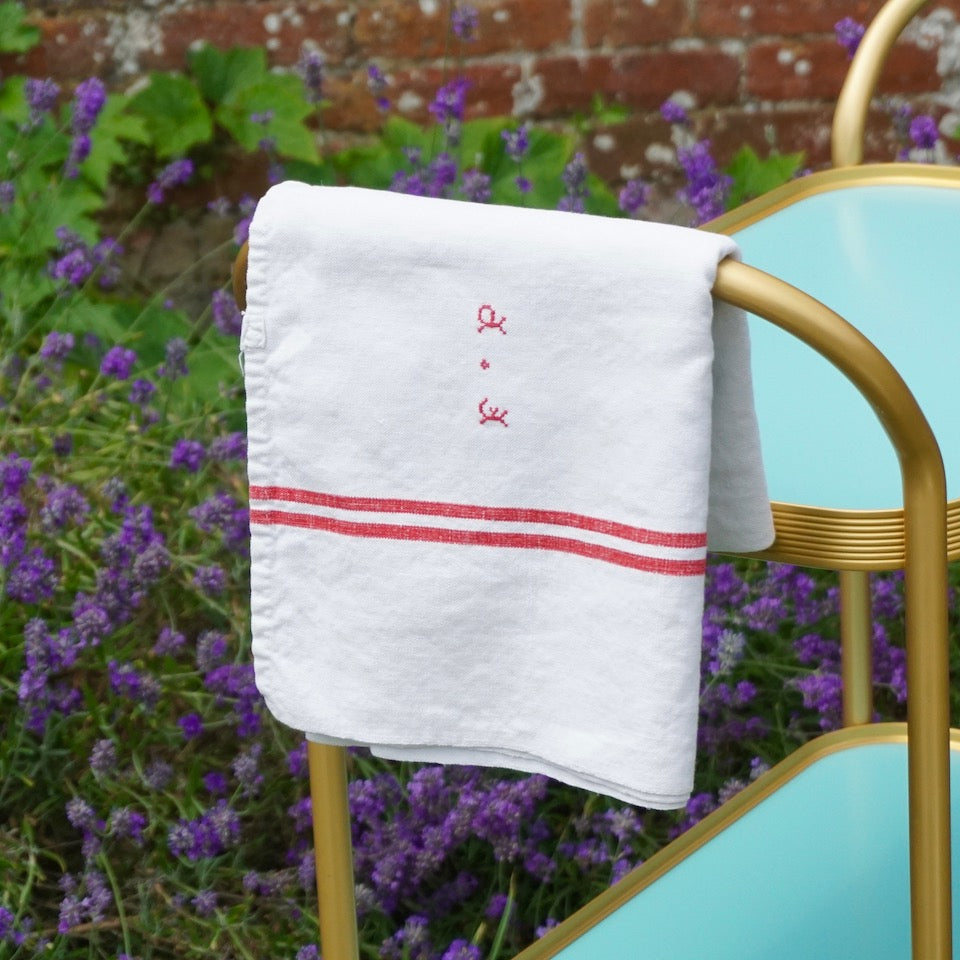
240	87
16	35
752	177
173	113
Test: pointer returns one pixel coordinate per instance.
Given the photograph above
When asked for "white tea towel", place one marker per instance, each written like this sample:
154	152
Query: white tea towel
481	442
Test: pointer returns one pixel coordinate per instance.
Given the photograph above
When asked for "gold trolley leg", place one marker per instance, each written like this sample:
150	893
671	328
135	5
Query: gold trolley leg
333	852
856	647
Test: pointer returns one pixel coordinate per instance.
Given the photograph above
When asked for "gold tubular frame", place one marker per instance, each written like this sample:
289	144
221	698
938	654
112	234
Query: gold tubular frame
864	540
850	117
921	527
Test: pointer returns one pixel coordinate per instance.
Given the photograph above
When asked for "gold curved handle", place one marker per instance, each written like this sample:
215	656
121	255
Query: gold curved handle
240	277
850	117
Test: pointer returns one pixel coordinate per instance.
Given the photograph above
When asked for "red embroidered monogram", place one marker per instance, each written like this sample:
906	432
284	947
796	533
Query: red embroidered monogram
492	414
483	526
488	320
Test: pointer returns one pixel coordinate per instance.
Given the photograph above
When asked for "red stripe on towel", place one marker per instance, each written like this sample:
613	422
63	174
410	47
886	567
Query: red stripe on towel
429	508
391	531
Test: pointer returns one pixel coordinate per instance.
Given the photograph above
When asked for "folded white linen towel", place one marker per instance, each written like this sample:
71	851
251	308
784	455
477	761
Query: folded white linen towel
481	443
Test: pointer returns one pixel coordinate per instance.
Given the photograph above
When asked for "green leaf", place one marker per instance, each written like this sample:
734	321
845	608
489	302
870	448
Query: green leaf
607	114
16	35
281	98
67	204
175	116
114	125
752	177
221	74
13	104
398	132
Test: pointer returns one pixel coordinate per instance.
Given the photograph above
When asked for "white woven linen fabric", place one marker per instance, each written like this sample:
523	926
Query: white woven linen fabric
486	447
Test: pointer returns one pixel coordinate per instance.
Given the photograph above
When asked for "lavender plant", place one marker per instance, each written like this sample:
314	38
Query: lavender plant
149	806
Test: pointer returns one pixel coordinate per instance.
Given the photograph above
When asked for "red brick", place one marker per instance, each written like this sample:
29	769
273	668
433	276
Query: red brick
282	27
397	29
352	106
773	74
628	23
642	80
778	17
71	49
400	29
909	69
489	94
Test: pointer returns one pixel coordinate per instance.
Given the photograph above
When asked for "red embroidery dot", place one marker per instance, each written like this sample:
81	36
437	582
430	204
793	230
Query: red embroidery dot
485	364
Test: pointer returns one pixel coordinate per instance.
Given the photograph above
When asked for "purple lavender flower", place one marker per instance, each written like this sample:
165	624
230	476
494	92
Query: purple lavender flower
475	186
208	835
574	179
464	23
175	365
247	770
174	174
191	725
41	97
64	506
297	760
118	363
33	578
707	187
80	148
215	782
449	103
87	902
91	622
158	775
462	950
141	392
823	691
75	266
124	823
205	903
88	100
233	446
672	112
211	580
546	926
81	815
310	67
56	346
14	471
226	315
308	952
103	757
8	193
376	84
516	142
924	131
247	207
849	33
634	196
126	681
211	650
187	455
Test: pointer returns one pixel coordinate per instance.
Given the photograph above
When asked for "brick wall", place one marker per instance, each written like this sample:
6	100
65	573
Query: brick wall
762	72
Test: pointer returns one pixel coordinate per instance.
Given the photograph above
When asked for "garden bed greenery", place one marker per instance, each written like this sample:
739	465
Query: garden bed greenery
149	805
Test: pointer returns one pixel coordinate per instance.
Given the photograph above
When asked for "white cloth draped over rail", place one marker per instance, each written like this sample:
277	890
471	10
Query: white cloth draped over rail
488	450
